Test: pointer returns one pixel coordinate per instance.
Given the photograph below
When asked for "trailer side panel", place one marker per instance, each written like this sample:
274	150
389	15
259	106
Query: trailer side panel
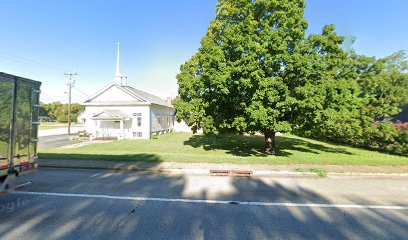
6	113
19	111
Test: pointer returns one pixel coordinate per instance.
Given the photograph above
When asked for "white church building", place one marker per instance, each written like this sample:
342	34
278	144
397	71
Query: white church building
119	111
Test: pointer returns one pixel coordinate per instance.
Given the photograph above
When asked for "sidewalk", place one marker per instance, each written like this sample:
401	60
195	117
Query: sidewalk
257	170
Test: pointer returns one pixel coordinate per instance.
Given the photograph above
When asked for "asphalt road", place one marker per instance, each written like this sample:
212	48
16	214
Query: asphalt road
95	204
54	141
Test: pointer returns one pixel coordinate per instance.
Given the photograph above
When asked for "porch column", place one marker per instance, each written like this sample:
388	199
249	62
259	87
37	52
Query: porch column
96	128
121	128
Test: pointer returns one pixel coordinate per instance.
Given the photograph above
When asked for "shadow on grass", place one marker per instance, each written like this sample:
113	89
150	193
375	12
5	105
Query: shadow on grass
246	146
303	145
142	157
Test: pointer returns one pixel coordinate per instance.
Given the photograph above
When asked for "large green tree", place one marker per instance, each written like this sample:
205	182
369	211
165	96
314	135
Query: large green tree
382	89
383	84
328	94
351	98
256	71
244	76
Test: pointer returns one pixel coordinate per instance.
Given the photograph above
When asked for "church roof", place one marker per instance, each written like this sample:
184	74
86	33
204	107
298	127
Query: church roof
148	97
110	115
139	96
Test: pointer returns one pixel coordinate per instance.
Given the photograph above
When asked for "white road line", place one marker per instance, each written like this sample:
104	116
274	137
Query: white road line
181	200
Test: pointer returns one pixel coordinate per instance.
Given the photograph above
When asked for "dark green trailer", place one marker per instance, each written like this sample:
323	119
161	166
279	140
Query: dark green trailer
19	110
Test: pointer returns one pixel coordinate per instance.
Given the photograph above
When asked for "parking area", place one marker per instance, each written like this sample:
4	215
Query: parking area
55	141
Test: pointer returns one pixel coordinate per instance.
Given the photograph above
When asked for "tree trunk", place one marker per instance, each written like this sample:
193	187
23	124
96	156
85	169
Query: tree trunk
270	147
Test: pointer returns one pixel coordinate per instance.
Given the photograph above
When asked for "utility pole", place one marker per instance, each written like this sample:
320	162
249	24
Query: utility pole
70	82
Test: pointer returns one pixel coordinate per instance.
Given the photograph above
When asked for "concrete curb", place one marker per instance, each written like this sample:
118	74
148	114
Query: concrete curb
255	173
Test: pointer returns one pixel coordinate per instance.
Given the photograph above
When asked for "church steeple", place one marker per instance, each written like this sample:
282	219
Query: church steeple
118	76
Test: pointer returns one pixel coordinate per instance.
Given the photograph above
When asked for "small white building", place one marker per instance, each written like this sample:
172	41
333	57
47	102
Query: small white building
119	111
183	127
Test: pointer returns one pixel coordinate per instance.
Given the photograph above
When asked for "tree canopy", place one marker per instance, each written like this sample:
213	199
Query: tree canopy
59	111
257	71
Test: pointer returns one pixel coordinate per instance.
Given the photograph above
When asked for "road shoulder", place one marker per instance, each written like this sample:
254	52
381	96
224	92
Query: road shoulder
256	170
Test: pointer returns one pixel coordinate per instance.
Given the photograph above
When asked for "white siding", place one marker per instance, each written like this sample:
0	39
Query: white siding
183	127
130	127
154	118
162	119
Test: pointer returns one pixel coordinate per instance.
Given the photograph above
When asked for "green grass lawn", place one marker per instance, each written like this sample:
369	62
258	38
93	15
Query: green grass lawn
51	125
186	147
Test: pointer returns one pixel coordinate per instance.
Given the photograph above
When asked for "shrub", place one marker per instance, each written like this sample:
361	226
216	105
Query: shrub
380	136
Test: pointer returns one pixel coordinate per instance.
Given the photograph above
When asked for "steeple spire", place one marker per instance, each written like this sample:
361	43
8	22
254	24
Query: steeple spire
118	76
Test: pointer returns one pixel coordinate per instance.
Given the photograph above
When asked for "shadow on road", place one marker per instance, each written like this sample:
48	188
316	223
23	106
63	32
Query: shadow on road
54	217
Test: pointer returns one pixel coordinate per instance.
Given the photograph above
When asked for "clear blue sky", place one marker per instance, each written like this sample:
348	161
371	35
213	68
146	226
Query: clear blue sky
45	38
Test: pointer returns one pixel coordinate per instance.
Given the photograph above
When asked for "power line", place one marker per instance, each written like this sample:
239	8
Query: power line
61	98
36	64
27	61
43	94
80	91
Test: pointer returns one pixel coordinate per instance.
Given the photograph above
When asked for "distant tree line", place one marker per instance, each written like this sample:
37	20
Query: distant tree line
59	111
258	71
